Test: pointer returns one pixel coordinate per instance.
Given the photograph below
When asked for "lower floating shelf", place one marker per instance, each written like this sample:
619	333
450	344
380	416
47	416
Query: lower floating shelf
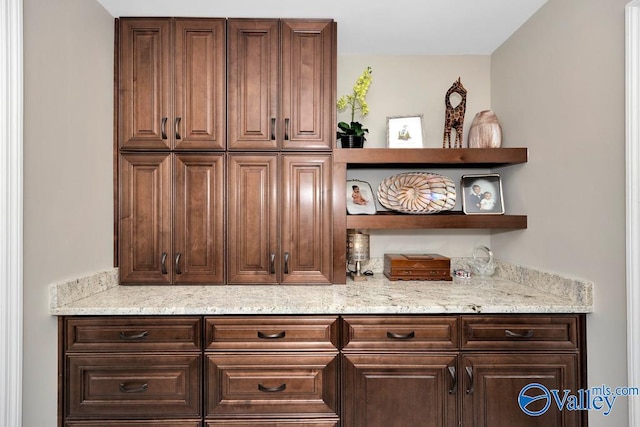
449	219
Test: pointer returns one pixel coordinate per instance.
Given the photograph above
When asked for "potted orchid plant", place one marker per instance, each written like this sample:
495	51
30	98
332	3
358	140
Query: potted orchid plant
352	135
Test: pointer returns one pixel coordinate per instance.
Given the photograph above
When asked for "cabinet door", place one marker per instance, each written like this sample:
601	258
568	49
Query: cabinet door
144	84
200	84
492	383
400	390
198	255
253	219
308	84
253	73
306	219
145	218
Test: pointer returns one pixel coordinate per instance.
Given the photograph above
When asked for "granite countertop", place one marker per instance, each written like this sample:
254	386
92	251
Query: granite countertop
511	290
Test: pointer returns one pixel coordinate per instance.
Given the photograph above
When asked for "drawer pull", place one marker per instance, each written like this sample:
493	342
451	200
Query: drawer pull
277	389
454	380
510	334
395	336
163	263
126	388
271	336
139	336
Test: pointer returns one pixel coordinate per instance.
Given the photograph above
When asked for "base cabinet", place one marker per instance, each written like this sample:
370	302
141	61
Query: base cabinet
318	371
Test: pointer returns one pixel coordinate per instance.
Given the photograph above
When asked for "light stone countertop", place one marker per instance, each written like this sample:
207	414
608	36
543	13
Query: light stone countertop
512	289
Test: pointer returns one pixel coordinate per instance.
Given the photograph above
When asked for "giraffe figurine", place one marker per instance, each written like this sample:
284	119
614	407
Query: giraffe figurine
454	116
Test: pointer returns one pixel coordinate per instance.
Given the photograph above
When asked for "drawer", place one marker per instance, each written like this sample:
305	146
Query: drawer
133	386
135	423
271	333
399	333
119	334
273	423
271	384
514	332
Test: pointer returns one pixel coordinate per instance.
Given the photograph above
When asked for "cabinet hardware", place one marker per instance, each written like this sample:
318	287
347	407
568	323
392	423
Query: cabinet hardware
280	334
454	380
139	336
272	258
281	387
510	334
469	370
273	128
286	129
286	263
163	262
164	128
396	336
177	127
126	388
178	271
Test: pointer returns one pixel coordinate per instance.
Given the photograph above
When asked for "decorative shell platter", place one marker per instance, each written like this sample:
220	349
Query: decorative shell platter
417	193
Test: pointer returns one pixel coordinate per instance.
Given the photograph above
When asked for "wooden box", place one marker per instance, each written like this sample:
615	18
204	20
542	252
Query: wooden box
417	267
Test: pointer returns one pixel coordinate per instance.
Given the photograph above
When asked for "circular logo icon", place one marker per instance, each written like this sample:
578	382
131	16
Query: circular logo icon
531	393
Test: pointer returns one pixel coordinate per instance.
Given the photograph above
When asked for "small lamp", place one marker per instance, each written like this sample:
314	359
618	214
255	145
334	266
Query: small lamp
357	252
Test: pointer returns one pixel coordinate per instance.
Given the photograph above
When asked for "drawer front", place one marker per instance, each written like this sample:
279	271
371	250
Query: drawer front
99	334
515	332
135	423
133	386
271	384
273	423
375	333
271	333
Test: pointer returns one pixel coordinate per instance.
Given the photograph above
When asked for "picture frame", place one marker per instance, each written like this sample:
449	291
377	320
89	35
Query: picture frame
360	198
405	131
482	194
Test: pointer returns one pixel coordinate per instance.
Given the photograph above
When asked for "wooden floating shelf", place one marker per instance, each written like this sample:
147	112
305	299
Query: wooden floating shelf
458	157
449	219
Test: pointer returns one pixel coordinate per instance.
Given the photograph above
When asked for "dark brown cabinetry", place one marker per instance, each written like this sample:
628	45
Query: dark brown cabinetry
281	84
279	218
174	93
171	110
120	370
411	371
172	89
279	368
317	371
171	218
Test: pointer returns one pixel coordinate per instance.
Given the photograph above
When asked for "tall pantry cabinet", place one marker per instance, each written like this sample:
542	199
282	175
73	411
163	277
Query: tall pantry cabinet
171	137
225	135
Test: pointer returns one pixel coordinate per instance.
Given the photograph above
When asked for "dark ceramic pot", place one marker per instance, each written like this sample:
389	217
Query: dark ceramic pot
352	141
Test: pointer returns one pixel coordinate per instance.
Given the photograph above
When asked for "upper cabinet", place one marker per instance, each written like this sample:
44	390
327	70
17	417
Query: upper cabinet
281	84
172	89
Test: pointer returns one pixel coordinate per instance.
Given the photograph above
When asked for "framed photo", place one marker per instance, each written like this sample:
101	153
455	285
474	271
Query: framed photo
405	131
360	198
482	194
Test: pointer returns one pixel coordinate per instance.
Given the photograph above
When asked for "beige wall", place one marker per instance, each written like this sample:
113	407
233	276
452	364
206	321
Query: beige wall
558	87
407	85
68	178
